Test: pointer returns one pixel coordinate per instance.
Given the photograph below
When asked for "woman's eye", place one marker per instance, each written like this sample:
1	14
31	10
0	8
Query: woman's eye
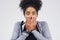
33	13
27	13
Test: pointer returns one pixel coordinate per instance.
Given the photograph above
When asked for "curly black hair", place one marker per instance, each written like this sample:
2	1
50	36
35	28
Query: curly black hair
34	3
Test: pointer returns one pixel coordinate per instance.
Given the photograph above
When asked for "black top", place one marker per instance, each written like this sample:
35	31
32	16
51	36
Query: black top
31	36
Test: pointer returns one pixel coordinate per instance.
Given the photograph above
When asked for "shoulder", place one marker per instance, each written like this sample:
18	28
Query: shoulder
18	22
42	22
17	25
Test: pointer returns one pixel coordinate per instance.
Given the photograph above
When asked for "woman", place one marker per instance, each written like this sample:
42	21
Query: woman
31	29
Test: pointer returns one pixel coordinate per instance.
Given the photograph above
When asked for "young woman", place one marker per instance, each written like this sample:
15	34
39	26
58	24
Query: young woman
31	29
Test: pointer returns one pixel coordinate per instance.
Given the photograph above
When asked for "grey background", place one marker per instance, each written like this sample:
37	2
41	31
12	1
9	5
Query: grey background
10	13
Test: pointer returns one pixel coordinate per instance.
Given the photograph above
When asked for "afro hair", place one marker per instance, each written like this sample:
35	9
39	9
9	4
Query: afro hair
34	3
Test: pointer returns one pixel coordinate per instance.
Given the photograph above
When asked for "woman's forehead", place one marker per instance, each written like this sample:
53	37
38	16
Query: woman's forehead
30	9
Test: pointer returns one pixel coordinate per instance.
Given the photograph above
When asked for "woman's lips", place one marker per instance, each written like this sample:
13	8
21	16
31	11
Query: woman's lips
30	19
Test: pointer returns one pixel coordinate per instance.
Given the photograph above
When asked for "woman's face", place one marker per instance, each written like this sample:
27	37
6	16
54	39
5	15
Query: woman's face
31	14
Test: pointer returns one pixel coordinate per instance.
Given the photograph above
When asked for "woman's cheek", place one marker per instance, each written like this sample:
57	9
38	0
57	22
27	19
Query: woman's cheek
34	18
27	18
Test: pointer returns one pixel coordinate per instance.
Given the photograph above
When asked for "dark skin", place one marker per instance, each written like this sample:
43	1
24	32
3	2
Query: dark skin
30	16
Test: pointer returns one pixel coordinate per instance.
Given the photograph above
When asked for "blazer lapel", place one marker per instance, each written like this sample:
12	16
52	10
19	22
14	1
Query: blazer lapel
39	26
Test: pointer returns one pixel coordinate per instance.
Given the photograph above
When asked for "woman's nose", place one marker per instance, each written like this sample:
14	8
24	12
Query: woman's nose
30	17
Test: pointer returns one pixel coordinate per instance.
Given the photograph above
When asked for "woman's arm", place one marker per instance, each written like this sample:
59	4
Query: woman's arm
17	35
45	33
